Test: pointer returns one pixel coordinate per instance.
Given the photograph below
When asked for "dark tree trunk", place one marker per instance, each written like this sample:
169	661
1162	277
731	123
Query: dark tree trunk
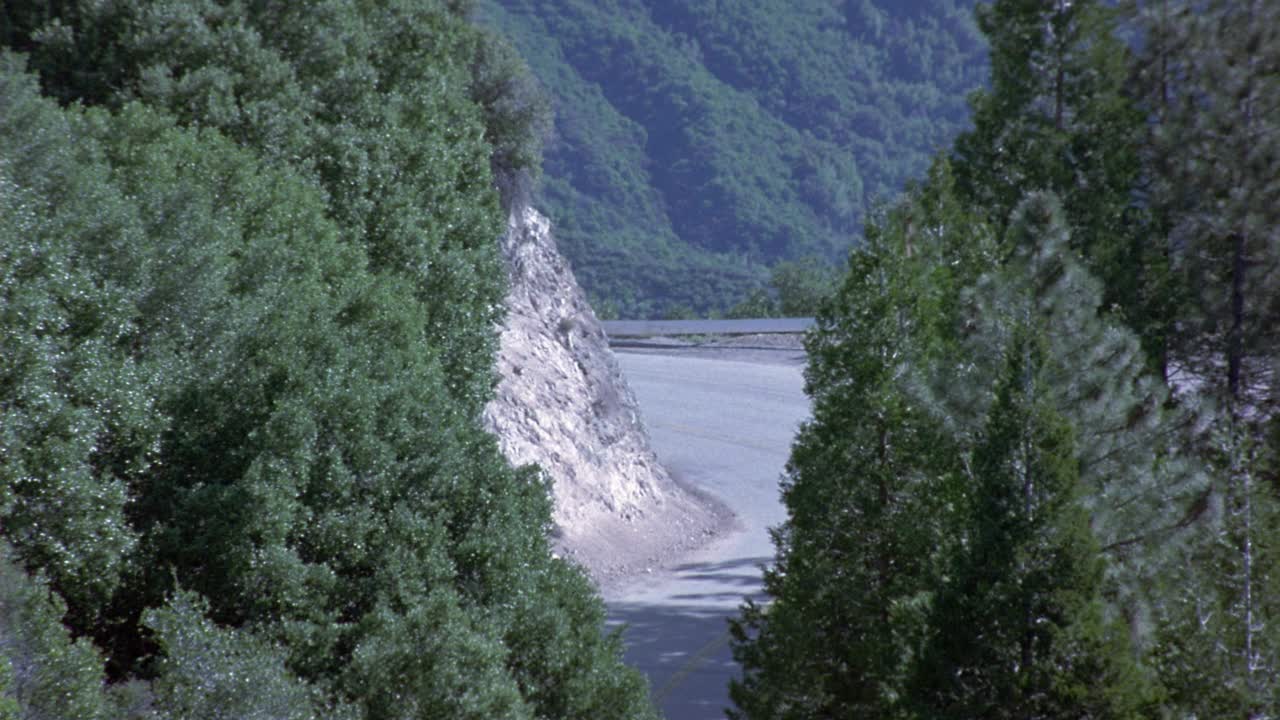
1235	336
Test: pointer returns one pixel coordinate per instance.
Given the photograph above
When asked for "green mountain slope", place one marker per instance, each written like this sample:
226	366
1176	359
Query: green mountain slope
698	142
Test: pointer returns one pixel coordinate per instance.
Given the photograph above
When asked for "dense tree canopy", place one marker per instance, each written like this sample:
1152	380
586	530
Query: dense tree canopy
1039	480
867	488
250	282
1208	76
249	285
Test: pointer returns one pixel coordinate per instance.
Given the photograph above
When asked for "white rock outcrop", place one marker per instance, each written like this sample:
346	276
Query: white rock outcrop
563	403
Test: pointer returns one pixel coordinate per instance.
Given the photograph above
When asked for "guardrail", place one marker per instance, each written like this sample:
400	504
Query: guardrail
751	326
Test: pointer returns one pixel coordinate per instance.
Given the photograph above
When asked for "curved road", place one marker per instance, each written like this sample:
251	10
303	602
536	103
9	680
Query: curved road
727	427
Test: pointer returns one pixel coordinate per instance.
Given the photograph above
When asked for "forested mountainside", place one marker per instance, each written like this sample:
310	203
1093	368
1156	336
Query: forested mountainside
249	284
698	142
1042	477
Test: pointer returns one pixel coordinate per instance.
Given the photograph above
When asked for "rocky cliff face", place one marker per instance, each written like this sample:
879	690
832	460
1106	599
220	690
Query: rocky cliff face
563	403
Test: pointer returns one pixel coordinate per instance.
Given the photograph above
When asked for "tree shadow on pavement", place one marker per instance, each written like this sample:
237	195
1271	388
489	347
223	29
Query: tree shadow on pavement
684	651
682	644
742	573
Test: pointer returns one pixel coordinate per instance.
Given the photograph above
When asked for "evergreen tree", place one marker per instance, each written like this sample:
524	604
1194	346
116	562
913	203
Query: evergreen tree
1018	628
1208	76
909	461
1129	439
871	487
856	554
1218	647
1057	118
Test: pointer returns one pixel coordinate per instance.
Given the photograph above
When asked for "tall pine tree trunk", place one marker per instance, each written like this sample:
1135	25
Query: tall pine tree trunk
1235	336
1235	359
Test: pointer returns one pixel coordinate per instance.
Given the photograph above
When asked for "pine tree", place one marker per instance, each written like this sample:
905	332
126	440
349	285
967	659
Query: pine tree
1153	71
1139	480
856	553
871	481
1218	649
1057	118
1209	77
1018	629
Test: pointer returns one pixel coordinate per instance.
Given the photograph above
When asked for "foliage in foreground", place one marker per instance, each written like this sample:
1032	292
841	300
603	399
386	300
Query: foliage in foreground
1039	479
248	305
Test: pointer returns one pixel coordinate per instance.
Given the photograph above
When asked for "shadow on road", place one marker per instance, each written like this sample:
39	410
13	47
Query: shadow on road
681	641
686	684
744	572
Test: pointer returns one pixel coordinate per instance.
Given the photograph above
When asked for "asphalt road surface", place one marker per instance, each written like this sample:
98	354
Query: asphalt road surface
725	426
647	328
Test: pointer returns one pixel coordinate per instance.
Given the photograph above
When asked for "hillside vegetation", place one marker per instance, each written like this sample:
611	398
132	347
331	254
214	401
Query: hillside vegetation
249	283
699	142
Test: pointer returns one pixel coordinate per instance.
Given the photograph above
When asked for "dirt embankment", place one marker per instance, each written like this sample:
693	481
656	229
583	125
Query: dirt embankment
563	403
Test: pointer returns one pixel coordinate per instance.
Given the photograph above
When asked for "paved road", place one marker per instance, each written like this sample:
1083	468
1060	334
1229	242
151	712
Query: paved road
727	427
750	326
